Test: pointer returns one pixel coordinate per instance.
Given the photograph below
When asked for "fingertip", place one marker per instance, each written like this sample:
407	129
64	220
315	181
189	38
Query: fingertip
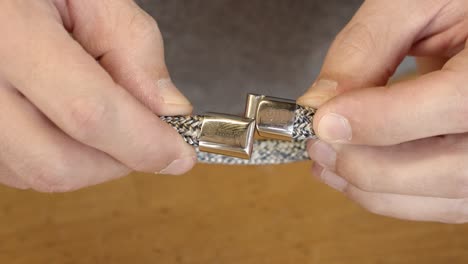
173	101
333	180
317	170
170	94
335	121
310	143
334	128
323	153
319	93
179	166
188	151
174	109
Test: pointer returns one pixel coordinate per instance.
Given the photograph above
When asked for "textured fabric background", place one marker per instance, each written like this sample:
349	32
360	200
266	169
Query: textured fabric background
217	51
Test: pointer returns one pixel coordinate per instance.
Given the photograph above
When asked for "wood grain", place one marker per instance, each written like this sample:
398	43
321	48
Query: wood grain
215	214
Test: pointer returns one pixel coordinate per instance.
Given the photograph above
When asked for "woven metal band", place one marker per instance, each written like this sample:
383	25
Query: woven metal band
264	151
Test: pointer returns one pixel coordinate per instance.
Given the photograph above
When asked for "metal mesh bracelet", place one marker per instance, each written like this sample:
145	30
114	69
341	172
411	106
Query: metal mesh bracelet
273	131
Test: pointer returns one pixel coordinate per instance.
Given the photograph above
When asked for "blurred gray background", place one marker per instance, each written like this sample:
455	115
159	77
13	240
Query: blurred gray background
218	51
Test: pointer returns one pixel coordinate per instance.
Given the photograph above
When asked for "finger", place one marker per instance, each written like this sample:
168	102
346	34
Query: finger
129	46
406	207
431	105
412	208
42	156
429	167
445	42
73	91
369	49
9	178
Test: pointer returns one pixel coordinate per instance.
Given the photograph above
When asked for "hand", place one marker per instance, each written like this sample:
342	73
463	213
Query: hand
399	150
81	85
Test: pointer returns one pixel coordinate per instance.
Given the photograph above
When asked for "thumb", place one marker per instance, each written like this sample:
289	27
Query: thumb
368	50
430	105
128	44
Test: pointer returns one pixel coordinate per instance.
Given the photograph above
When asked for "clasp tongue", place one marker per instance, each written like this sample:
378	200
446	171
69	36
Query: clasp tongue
274	116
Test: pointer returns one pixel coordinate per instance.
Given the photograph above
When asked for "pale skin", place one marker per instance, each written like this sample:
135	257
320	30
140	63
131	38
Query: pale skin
399	150
82	83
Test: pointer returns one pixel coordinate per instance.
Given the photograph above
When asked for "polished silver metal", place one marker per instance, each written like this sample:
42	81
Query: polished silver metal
227	135
251	105
269	117
274	117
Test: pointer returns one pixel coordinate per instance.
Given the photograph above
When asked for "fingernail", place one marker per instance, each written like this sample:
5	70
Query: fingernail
179	166
334	128
320	92
323	154
170	94
317	170
329	178
324	86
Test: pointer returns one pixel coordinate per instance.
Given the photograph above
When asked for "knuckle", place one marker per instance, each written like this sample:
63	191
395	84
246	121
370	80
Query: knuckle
357	38
360	41
142	25
85	118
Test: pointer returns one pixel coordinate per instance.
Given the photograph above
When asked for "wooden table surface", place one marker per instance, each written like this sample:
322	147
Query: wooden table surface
215	214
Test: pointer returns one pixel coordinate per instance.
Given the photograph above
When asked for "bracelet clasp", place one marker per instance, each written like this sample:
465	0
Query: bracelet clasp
274	116
227	135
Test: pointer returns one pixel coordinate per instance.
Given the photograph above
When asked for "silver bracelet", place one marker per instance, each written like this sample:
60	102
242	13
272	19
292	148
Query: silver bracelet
272	131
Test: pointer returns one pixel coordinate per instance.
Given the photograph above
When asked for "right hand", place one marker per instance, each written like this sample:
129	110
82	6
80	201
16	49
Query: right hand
82	83
399	149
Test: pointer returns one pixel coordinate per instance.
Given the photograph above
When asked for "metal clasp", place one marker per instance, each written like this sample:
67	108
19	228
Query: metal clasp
274	117
270	117
227	135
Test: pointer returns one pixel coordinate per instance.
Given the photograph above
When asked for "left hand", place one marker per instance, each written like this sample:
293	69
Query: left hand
399	150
